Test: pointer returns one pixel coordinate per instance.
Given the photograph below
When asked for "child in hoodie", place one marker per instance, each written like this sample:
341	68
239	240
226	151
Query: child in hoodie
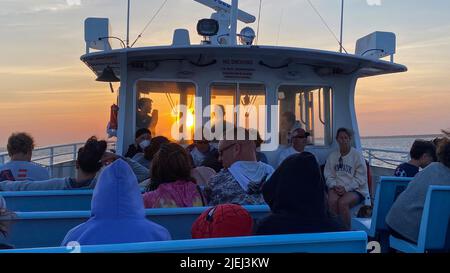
118	215
296	196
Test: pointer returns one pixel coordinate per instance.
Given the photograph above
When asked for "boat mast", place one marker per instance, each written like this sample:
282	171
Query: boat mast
342	26
128	25
233	28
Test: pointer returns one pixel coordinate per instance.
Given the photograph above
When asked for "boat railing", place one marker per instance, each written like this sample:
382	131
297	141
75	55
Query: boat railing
385	158
52	155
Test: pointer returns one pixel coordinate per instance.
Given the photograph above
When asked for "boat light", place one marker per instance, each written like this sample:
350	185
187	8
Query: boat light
108	75
207	27
247	36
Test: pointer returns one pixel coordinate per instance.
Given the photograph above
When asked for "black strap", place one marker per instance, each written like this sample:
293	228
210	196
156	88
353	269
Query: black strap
201	195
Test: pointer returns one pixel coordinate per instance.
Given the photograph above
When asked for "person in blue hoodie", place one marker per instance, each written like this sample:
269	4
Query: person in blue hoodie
118	214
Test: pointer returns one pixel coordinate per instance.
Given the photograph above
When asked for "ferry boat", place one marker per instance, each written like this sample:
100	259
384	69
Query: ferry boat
256	83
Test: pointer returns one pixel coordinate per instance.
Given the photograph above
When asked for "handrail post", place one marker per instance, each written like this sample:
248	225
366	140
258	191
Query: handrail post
370	157
51	161
74	151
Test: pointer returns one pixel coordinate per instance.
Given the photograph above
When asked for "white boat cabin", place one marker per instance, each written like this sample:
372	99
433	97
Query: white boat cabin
318	86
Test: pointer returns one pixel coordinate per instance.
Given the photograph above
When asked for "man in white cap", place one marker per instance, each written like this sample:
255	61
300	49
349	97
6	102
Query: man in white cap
299	142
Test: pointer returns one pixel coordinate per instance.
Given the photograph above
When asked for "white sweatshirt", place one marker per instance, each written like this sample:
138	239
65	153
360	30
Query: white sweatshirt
350	172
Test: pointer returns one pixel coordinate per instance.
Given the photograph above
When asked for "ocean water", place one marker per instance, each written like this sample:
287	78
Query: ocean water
402	143
394	143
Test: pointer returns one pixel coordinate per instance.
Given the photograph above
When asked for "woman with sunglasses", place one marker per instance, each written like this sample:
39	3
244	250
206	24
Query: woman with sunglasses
346	178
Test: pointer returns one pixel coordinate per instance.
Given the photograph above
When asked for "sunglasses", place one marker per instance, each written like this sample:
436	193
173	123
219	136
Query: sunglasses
300	137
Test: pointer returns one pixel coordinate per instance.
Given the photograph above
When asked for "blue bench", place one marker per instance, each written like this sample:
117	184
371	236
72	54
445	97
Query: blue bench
342	242
27	201
48	229
388	189
65	200
434	234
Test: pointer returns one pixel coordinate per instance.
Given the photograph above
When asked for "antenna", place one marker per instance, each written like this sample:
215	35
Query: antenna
128	25
342	27
219	5
233	27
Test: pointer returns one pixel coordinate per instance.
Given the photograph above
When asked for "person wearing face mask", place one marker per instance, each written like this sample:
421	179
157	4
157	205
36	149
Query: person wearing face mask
142	141
346	178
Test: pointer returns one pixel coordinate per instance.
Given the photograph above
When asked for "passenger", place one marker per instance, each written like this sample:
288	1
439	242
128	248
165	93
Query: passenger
171	184
346	178
4	214
213	163
88	164
91	158
227	220
241	180
20	168
288	125
145	117
202	175
296	196
202	150
143	139
260	156
118	214
299	140
146	158
218	116
422	153
406	213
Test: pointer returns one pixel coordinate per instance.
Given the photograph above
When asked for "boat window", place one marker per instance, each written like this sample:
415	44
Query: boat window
158	107
223	97
250	113
312	106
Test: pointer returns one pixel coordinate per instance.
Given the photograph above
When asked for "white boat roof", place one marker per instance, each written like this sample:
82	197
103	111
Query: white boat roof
272	55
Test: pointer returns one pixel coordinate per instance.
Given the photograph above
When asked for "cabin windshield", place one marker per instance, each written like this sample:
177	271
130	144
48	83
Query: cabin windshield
312	107
243	104
158	107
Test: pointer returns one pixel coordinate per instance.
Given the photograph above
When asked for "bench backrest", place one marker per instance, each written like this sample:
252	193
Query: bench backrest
388	189
27	201
48	229
434	229
341	242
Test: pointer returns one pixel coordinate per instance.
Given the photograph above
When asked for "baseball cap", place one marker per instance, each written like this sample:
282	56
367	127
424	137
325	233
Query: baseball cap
228	220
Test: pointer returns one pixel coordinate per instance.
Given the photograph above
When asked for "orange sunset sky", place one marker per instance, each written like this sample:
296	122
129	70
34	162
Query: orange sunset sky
46	90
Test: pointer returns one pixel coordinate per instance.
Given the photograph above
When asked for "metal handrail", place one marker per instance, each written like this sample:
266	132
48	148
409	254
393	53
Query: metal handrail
52	155
371	156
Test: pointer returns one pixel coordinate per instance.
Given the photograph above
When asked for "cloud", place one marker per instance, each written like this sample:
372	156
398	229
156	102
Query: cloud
374	2
73	2
27	7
